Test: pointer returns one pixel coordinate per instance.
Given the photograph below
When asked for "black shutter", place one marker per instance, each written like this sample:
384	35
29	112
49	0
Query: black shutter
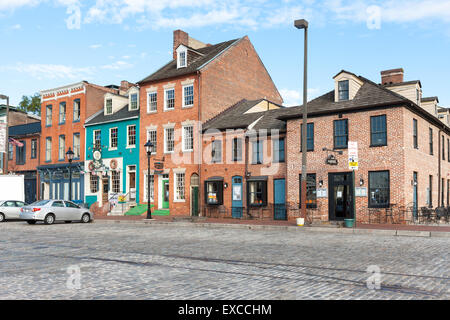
24	152
206	192
220	192
264	195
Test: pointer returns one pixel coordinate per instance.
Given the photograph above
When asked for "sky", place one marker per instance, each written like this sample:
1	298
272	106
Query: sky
50	43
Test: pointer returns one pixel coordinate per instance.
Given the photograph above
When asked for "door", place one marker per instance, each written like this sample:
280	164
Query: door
9	209
19	205
105	189
59	210
237	202
165	194
72	211
341	193
132	185
30	190
194	201
279	199
415	206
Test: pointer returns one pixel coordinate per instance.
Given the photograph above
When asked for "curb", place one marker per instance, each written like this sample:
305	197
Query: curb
378	232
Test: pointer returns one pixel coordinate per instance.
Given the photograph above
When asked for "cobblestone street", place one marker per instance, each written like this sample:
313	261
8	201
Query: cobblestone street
134	261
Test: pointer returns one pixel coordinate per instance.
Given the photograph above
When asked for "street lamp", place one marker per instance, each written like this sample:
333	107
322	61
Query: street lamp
70	155
303	24
149	147
5	163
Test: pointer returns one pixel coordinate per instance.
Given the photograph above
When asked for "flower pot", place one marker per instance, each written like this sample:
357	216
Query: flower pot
300	222
349	223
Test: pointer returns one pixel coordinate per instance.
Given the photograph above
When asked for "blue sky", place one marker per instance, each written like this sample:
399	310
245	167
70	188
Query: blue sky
49	43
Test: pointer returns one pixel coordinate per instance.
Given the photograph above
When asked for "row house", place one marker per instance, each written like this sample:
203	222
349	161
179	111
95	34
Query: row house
64	111
199	82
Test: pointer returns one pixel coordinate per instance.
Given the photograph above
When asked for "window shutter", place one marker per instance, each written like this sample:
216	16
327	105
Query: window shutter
206	192
24	152
239	149
265	193
220	192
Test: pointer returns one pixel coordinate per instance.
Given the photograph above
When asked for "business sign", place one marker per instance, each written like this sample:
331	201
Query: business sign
3	138
353	155
322	193
331	160
360	192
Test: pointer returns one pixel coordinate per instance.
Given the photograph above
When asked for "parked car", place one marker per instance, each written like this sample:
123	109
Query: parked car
10	209
50	211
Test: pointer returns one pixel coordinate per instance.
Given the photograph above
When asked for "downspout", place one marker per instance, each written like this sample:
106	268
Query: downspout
200	149
439	168
247	174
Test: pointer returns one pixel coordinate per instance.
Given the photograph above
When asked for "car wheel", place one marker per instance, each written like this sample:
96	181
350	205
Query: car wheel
49	219
68	221
2	217
31	222
86	218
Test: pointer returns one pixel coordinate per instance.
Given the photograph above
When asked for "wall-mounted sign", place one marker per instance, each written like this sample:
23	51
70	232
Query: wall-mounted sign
353	155
159	165
3	137
360	192
322	193
331	160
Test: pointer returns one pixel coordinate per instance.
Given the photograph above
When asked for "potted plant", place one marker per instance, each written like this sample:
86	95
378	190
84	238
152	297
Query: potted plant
348	220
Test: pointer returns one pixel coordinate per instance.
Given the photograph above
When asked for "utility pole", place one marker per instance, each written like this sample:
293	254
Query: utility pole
5	164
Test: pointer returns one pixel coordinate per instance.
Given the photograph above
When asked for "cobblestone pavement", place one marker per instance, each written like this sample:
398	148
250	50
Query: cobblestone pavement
134	261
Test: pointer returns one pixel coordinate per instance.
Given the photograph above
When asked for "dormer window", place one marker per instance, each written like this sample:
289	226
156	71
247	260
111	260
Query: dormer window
108	106
182	57
134	101
343	87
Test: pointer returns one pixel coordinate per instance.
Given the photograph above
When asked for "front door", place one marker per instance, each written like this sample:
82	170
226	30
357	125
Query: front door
165	194
194	201
341	193
132	185
279	197
105	189
415	195
30	190
237	203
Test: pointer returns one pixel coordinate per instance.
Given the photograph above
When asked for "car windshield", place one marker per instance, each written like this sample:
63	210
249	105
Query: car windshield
40	203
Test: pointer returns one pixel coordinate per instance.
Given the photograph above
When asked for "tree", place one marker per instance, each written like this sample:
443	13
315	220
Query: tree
31	104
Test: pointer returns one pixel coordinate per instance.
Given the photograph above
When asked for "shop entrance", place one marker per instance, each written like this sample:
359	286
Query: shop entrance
341	194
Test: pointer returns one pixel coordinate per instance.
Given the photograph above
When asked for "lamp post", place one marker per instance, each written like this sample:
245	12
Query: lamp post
303	24
149	147
5	162
70	155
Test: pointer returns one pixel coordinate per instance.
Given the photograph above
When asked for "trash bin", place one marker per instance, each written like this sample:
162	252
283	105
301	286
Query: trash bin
300	222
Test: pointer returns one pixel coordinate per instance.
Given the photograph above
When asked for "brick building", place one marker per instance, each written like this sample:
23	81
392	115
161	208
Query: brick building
201	81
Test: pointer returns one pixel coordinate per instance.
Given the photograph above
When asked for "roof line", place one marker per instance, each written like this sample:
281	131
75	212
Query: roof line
94	115
224	111
111	121
220	53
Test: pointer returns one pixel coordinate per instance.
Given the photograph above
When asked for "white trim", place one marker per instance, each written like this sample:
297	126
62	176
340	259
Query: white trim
183	138
165	139
153	128
183	100
131	92
187	82
175	182
148	101
93	137
165	98
181	49
169	125
170	85
109	146
151	89
135	136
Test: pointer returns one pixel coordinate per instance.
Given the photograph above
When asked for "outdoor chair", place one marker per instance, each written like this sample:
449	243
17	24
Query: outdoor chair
426	215
441	212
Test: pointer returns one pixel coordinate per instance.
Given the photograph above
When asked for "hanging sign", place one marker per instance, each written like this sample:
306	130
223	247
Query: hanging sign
3	137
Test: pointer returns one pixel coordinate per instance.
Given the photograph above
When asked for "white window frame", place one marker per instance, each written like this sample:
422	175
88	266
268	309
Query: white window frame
184	139
110	138
112	181
77	148
149	102
135	136
165	139
165	99
179	60
106	106
137	100
175	193
188	105
93	137
155	143
152	188
48	149
61	156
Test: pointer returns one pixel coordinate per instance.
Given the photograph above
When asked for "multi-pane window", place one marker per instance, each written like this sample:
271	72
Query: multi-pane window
10	151
34	149
378	131
257	193
62	112
76	110
93	183
415	138
48	115
179	186
431	141
309	137
343	88
278	150
379	189
151	136
131	136
341	134
152	188
182	59
430	191
188	138
216	151
214	192
442	191
443	148
113	138
237	149
76	145
48	149
152	102
97	139
62	147
108	106
169	99
115	180
257	152
188	96
20	153
169	139
134	101
311	190
448	150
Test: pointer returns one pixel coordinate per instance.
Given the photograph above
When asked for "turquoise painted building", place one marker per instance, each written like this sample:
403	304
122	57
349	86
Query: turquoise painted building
112	150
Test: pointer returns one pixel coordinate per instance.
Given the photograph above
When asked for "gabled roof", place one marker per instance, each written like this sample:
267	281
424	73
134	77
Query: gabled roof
122	114
430	99
209	53
25	129
403	83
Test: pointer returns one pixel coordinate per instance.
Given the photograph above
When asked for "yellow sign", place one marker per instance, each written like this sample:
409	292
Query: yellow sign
122	198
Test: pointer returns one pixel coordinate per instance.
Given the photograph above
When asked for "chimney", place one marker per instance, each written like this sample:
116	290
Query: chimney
179	37
392	76
124	86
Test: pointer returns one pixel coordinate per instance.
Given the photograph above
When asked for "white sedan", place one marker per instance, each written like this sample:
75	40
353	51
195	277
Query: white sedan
50	211
10	209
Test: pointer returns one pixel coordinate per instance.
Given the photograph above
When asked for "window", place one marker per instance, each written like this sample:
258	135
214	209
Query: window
443	148
257	193
430	192
431	141
97	139
113	138
188	138
169	101
179	186
257	152
108	106
152	102
151	136
379	189
343	88
152	188
188	96
182	59
278	150
131	136
341	134
378	134
48	149
48	115
34	149
20	153
214	192
311	191
62	147
309	137
76	110
415	141
10	151
442	191
448	192
58	204
62	112
448	150
76	146
115	180
237	149
71	205
93	183
133	101
169	140
216	151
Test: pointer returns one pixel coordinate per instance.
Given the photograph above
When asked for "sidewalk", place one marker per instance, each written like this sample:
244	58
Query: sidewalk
375	229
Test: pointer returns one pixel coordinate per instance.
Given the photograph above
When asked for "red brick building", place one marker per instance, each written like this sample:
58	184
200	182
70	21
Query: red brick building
201	81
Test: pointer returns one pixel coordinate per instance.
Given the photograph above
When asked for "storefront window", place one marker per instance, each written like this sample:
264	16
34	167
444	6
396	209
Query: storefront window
214	192
311	191
379	189
257	193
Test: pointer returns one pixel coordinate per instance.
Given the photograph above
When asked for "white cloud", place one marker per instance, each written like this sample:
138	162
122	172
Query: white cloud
295	97
117	65
14	4
95	46
16	27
